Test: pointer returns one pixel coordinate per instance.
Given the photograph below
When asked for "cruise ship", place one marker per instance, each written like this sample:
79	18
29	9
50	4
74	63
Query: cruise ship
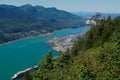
94	19
20	74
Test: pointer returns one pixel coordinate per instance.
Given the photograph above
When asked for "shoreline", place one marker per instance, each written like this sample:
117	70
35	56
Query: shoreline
66	37
41	35
29	37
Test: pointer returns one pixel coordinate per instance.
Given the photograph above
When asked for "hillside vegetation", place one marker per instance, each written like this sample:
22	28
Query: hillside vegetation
96	56
27	20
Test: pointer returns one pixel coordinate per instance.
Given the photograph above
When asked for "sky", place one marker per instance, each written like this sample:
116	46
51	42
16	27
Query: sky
109	6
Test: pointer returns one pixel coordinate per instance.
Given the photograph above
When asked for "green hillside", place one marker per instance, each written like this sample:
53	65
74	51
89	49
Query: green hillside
96	56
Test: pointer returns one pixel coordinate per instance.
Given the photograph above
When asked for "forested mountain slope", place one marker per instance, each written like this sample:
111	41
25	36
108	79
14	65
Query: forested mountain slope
96	56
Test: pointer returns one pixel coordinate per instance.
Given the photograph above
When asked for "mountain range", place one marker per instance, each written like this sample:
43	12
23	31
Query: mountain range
28	17
18	22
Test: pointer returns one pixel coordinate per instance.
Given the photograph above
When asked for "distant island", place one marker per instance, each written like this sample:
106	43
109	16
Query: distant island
27	20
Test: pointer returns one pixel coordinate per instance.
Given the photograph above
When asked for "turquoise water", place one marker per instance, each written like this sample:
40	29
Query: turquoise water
25	53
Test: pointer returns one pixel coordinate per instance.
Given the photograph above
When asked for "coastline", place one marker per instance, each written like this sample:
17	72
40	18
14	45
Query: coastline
44	35
48	34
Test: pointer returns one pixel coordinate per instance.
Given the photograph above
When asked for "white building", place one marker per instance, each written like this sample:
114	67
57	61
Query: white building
91	22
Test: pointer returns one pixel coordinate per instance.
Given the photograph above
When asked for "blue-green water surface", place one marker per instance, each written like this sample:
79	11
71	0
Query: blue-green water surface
25	53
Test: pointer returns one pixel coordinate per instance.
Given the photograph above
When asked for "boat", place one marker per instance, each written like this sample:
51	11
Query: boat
20	74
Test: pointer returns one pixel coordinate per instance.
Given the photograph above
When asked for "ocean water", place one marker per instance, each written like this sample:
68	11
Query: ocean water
25	53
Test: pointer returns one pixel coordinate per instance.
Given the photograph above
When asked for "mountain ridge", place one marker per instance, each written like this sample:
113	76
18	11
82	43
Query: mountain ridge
26	18
29	14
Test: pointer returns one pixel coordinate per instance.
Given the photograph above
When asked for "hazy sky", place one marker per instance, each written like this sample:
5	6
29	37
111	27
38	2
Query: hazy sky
111	6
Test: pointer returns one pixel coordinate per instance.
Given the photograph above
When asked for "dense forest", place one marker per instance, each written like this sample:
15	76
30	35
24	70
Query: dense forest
96	56
18	22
